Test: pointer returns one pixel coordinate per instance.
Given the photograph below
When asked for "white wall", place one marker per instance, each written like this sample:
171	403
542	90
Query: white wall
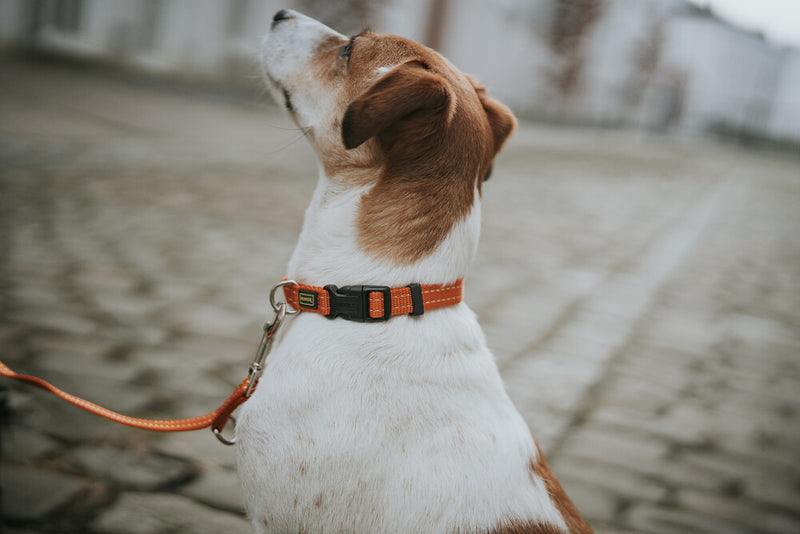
611	75
498	43
785	120
731	75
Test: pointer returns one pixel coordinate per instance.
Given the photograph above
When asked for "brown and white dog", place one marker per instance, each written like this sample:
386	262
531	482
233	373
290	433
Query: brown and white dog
400	426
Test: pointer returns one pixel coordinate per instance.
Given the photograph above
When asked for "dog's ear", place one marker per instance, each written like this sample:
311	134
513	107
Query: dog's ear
501	119
407	89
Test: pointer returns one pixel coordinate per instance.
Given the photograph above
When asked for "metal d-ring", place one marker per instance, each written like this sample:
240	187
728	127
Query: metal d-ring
218	433
276	305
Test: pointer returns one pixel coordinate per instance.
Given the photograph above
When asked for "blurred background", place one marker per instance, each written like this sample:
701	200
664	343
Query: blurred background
663	65
638	277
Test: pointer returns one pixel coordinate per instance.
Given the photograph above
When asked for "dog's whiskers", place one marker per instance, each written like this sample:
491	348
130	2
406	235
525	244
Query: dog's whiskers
290	143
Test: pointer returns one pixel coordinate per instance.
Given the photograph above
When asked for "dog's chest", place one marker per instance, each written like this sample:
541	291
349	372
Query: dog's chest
370	436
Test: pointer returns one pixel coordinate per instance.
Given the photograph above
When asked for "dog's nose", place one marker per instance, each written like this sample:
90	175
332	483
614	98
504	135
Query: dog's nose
283	14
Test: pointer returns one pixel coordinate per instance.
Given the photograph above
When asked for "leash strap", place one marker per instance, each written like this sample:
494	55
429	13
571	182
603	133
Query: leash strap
216	419
372	303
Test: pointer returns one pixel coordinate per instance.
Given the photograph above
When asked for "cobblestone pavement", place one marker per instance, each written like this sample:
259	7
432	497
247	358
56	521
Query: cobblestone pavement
642	297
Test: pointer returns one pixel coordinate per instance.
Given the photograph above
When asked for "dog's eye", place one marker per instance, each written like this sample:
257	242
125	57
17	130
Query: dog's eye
348	48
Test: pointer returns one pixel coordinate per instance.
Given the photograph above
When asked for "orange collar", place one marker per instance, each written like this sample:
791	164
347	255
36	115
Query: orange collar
372	303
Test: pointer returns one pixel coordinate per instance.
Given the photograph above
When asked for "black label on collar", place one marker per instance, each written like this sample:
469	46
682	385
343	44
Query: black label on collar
307	299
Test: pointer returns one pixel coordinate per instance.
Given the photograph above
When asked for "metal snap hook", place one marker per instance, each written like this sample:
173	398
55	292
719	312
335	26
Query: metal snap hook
276	305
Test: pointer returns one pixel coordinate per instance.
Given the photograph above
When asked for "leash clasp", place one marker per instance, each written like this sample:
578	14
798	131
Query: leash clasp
257	367
270	329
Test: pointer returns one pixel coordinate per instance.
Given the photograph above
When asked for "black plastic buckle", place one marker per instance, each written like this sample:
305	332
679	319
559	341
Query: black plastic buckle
352	302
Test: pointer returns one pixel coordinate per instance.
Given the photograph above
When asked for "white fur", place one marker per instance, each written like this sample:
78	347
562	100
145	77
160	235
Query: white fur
291	44
392	427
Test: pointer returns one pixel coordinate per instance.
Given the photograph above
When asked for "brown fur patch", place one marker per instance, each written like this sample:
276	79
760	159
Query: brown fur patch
438	142
575	522
514	526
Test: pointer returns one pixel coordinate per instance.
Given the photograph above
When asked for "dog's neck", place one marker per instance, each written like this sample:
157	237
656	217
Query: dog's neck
328	251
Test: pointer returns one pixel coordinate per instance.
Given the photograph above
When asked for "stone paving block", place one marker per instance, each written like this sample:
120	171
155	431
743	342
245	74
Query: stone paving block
31	494
548	380
72	345
596	504
97	279
647	396
609	478
755	330
22	444
79	369
601	528
738	509
650	519
201	318
682	330
58	320
143	472
217	487
685	421
196	446
742	466
603	443
212	350
585	350
670	368
177	375
173	290
181	356
125	307
158	513
39	295
135	334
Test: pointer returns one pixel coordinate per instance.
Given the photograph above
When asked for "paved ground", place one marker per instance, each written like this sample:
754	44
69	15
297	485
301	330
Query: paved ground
642	297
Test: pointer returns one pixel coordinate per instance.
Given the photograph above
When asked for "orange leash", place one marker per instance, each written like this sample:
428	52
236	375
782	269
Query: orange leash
216	419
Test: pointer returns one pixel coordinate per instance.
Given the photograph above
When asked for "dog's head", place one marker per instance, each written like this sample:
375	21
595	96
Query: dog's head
387	112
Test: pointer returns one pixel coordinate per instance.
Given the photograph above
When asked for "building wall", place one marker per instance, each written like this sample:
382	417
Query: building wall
784	122
658	64
503	47
731	75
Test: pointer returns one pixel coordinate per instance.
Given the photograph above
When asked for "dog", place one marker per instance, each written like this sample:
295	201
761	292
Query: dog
399	422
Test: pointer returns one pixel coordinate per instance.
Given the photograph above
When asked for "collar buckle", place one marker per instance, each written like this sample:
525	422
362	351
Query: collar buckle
352	302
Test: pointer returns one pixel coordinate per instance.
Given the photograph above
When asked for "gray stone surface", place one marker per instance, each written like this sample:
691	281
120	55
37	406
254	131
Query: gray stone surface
31	494
138	471
156	513
641	295
217	487
26	444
